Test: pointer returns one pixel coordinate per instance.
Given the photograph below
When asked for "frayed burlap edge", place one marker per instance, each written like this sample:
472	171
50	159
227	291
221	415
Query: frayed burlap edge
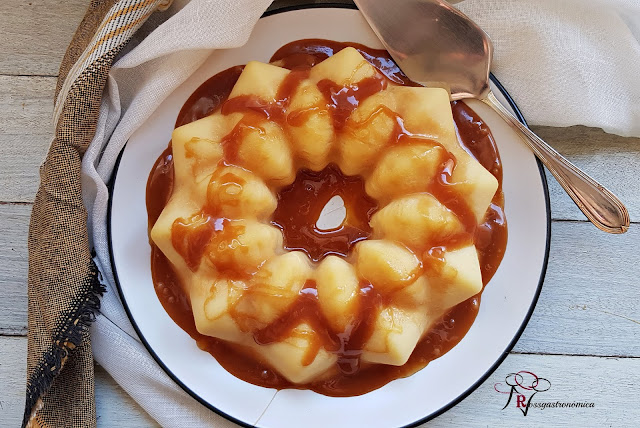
64	286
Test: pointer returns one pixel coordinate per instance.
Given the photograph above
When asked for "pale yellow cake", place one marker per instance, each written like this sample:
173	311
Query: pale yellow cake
408	223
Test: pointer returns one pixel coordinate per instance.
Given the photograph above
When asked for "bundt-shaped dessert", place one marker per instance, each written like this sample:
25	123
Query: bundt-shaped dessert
409	255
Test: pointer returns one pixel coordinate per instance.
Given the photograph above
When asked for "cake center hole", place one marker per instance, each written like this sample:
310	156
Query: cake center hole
324	212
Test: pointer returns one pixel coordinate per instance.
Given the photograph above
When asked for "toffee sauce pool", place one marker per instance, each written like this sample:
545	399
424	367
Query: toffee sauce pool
350	378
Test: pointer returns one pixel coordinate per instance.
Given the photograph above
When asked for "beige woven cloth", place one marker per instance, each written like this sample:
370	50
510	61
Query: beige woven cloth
569	62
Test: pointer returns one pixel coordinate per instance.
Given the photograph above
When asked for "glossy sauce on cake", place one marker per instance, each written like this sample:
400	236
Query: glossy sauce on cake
310	190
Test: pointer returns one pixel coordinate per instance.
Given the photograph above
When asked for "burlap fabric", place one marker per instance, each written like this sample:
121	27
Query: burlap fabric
64	284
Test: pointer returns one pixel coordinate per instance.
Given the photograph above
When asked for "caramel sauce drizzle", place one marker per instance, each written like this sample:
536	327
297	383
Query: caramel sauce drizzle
299	206
231	142
269	110
347	345
343	100
191	236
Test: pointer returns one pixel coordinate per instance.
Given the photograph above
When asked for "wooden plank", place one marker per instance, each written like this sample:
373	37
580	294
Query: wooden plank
612	160
13	351
589	301
35	34
26	105
609	383
113	406
587	305
13	268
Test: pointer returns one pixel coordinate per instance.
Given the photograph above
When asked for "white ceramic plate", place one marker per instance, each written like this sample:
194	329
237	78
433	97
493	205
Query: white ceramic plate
507	301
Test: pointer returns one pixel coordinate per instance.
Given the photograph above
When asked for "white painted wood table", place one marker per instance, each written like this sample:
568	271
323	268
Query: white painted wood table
584	335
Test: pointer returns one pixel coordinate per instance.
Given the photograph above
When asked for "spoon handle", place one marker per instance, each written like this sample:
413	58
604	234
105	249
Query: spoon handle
600	206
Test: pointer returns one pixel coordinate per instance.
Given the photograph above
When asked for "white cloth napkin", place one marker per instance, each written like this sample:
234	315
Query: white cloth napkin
564	62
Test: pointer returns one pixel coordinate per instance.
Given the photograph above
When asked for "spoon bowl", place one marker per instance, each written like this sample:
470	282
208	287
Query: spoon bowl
435	44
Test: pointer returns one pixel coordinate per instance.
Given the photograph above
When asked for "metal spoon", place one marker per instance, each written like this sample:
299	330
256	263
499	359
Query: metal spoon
435	44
